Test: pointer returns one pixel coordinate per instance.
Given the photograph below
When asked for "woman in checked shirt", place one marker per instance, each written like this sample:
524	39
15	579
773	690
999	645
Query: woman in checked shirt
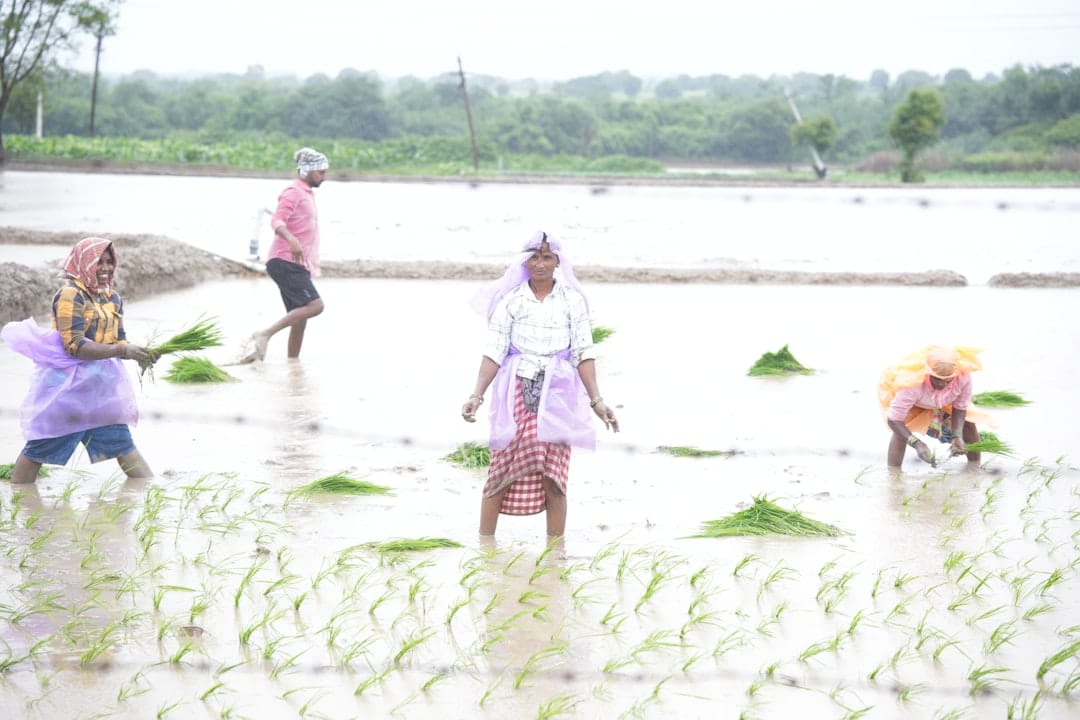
540	358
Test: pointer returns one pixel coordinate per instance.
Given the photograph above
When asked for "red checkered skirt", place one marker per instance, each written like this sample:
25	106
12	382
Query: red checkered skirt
523	464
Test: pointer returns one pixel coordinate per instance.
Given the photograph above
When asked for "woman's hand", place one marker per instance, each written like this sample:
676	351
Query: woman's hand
958	446
924	453
607	415
468	410
138	353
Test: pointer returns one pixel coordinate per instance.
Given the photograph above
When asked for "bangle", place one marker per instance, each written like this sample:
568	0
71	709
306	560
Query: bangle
120	351
595	401
912	440
474	396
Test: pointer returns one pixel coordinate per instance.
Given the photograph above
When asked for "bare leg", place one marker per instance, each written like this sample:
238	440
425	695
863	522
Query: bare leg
134	465
970	435
25	470
556	508
296	316
296	338
897	448
489	512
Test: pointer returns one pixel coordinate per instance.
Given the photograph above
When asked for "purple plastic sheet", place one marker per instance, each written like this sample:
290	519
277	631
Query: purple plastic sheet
67	394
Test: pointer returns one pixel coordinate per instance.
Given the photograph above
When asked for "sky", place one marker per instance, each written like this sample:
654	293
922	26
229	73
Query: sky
564	39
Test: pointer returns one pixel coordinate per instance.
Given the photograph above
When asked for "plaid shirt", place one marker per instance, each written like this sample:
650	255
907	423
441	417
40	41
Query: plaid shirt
540	329
80	315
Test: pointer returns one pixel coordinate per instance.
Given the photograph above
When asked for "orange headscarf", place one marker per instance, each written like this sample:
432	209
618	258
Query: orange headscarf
82	262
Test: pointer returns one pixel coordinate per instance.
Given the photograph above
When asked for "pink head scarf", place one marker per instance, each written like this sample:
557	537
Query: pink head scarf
488	297
82	262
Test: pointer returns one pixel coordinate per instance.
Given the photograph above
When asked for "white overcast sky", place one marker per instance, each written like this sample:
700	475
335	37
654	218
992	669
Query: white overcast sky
563	39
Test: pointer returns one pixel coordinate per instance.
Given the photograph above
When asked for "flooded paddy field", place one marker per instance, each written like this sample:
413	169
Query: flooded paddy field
214	590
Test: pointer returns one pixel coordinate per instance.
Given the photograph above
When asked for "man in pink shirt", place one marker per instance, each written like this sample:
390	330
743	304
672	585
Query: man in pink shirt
293	259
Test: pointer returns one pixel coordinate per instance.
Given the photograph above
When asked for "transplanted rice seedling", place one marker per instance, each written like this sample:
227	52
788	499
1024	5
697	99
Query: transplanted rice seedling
470	455
781	362
690	451
601	333
766	518
990	443
189	370
341	484
999	398
414	544
6	468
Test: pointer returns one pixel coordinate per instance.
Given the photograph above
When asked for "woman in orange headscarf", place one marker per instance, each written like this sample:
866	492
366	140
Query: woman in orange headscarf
80	393
929	392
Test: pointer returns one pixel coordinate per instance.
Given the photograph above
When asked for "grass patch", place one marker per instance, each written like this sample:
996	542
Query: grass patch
781	362
414	544
999	398
196	370
690	451
470	455
341	484
990	443
766	518
6	468
601	333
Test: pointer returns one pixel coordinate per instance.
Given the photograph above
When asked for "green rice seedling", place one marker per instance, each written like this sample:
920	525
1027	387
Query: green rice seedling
999	398
533	662
204	334
601	333
691	451
655	582
1070	651
5	474
177	657
512	562
781	362
105	640
779	572
1036	611
985	615
942	647
1021	709
982	679
731	641
166	709
340	484
529	595
490	690
1003	634
560	705
1055	577
412	642
371	681
191	370
286	664
434	680
856	620
766	518
989	442
422	544
470	455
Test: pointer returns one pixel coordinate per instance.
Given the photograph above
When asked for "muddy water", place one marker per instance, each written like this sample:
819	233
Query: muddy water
975	232
941	576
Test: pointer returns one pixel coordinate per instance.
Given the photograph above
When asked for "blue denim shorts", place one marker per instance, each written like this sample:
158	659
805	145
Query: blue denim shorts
101	443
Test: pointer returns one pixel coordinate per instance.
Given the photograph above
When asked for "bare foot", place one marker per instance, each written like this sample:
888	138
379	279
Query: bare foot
261	341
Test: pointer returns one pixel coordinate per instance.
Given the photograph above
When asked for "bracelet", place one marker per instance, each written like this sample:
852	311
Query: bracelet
121	353
596	401
474	396
912	440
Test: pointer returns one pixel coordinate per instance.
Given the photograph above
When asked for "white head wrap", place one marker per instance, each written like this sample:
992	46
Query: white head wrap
308	160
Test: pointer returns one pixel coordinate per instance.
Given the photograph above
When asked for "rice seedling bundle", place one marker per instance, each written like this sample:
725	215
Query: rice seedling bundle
781	362
601	333
470	455
414	544
990	443
196	370
999	398
690	451
341	484
202	335
766	518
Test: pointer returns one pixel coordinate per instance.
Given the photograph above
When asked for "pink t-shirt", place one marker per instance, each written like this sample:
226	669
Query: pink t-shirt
296	211
957	394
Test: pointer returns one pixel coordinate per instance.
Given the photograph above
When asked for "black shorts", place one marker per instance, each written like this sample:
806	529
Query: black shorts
294	282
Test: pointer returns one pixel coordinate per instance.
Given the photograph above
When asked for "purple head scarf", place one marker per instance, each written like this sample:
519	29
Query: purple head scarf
488	297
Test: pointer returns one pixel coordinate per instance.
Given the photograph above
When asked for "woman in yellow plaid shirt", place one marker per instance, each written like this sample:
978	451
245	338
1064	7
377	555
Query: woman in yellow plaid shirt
80	391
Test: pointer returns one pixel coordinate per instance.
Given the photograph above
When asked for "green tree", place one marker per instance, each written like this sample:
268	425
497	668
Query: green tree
819	133
33	32
915	126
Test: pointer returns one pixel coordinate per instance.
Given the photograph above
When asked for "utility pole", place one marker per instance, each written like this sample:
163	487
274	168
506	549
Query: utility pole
468	115
93	90
819	167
